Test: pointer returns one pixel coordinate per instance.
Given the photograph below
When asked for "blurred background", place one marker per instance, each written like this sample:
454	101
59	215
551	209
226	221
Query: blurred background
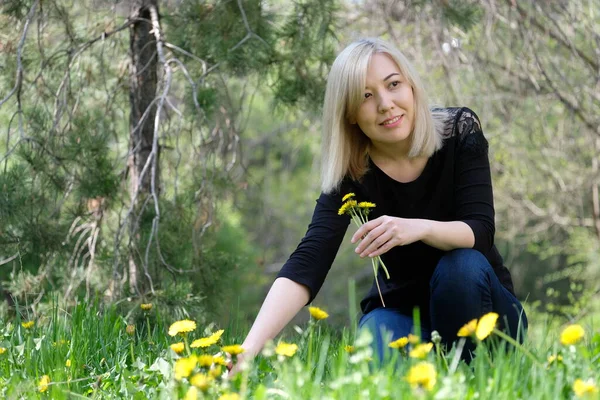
173	157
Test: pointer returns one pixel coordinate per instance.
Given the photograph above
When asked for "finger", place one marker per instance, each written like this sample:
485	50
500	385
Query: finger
361	232
369	239
383	249
376	244
365	229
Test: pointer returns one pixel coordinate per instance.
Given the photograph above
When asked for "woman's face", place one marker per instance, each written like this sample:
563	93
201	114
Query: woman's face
386	115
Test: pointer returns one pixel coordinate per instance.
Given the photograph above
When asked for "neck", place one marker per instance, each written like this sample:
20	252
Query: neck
389	153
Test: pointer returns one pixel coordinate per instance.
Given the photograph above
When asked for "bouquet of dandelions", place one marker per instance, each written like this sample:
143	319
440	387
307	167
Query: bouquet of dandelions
359	212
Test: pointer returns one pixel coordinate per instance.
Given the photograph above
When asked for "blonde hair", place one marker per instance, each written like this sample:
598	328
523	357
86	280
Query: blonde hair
345	147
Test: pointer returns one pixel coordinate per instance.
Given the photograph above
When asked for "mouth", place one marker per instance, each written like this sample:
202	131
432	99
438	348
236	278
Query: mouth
392	121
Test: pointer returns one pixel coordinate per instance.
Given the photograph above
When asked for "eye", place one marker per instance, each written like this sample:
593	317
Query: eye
367	95
395	84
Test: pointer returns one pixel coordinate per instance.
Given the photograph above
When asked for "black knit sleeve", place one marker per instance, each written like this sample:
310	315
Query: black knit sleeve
312	259
473	191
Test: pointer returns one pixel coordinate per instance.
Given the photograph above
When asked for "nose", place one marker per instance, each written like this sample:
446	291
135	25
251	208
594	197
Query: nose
385	103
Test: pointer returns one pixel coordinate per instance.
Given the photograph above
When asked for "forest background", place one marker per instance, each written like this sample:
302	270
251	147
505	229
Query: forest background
168	151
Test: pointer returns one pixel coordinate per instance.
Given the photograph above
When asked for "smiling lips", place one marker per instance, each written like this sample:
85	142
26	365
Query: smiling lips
394	121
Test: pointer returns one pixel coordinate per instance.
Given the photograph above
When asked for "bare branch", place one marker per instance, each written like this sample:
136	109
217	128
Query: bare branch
247	25
9	259
19	77
545	28
570	104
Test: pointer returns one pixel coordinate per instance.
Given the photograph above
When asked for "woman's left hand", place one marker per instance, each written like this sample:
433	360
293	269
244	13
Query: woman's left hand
384	233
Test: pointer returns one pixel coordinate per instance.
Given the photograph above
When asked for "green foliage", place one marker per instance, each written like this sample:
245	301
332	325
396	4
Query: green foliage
104	361
16	9
211	29
306	47
75	133
464	14
215	266
88	153
290	51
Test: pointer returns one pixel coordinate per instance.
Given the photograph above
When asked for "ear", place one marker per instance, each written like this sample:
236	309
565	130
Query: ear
352	120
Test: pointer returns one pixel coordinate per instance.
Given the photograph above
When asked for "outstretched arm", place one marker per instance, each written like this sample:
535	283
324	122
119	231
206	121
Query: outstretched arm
284	300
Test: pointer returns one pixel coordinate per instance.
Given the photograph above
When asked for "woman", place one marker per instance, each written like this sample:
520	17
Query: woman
428	173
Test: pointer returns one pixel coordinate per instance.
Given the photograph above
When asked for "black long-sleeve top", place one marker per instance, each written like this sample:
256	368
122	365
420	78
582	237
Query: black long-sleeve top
455	185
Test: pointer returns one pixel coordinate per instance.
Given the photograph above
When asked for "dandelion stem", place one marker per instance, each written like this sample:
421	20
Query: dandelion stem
131	350
148	325
359	216
487	356
440	355
377	282
187	346
380	261
518	346
310	336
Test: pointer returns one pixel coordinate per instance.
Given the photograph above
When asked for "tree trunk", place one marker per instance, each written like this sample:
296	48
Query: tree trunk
142	92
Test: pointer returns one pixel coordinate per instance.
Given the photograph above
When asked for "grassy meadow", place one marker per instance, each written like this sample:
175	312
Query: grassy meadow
91	352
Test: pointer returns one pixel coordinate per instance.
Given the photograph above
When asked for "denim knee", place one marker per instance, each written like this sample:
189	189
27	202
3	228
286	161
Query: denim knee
461	268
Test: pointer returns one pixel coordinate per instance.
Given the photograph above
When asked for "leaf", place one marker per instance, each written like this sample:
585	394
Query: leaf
20	349
162	366
38	342
138	364
261	392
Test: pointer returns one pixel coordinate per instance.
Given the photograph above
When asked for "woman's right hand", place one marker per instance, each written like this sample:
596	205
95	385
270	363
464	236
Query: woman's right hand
241	363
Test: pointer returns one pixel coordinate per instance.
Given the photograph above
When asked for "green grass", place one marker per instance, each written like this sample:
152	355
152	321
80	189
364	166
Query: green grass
101	365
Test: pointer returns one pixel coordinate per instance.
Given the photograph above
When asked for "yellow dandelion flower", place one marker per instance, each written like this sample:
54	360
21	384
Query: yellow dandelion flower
184	367
201	381
146	306
191	394
234	349
208	341
183	326
349	349
346	207
2	350
28	325
421	350
230	396
130	329
572	334
399	343
44	383
205	361
583	388
346	197
178	347
413	339
215	372
286	349
317	313
203	342
468	329
486	325
366	204
422	375
554	359
217	335
219	360
68	363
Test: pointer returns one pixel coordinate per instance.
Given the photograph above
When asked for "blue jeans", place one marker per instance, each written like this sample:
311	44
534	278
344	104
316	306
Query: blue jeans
463	287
